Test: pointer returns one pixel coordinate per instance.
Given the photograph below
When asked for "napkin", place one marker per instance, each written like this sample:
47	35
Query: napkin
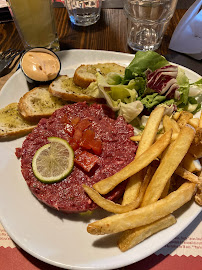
187	37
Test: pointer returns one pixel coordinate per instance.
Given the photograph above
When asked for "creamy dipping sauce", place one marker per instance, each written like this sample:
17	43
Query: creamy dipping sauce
40	66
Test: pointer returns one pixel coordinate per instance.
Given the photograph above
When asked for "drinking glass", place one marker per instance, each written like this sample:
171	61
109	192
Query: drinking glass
147	21
35	22
83	12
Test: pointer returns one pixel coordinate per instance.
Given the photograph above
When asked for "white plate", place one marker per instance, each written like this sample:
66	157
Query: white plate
59	239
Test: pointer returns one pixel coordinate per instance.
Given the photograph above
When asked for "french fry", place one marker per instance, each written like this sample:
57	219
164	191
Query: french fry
147	178
168	165
145	215
196	146
150	131
200	121
139	163
146	175
147	139
194	122
115	207
108	205
184	118
133	187
187	175
169	123
137	138
176	116
167	149
191	164
136	225
131	238
166	189
175	126
198	196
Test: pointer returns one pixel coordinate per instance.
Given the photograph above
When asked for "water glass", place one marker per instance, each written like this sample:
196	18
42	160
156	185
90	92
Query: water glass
147	21
35	22
83	12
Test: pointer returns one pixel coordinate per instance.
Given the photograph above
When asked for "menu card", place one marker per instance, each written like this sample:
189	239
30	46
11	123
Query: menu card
188	243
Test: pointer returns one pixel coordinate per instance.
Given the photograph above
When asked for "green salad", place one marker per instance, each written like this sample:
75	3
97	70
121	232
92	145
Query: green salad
150	81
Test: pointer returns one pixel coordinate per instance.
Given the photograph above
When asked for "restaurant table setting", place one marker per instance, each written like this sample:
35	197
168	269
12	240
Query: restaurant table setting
82	32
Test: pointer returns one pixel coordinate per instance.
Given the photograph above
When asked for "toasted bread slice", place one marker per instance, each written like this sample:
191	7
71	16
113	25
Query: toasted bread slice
65	88
39	103
12	123
86	74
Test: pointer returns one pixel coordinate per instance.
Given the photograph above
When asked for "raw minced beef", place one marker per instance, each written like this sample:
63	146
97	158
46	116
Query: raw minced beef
117	151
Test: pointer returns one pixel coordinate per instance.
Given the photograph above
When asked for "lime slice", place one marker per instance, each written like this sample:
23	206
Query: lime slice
53	161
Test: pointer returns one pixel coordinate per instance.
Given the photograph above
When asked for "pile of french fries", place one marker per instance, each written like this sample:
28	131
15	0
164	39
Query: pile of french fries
165	174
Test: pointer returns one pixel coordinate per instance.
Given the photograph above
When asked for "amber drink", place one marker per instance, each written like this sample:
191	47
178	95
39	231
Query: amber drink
35	22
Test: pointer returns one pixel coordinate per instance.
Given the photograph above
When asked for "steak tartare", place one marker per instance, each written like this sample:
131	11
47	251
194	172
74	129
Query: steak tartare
91	131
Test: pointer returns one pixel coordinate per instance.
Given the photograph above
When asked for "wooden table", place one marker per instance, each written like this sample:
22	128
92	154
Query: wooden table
108	34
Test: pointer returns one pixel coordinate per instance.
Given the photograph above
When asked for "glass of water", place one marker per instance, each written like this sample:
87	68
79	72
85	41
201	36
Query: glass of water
83	12
147	21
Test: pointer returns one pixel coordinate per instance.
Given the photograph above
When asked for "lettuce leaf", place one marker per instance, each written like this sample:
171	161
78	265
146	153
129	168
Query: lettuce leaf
196	89
152	100
121	98
123	93
131	110
192	105
140	85
169	102
129	95
184	86
198	83
113	78
93	90
143	61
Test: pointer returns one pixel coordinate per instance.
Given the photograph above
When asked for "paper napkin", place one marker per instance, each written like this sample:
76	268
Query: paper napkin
187	37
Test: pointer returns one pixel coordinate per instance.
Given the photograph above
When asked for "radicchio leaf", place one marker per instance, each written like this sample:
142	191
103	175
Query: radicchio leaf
163	81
